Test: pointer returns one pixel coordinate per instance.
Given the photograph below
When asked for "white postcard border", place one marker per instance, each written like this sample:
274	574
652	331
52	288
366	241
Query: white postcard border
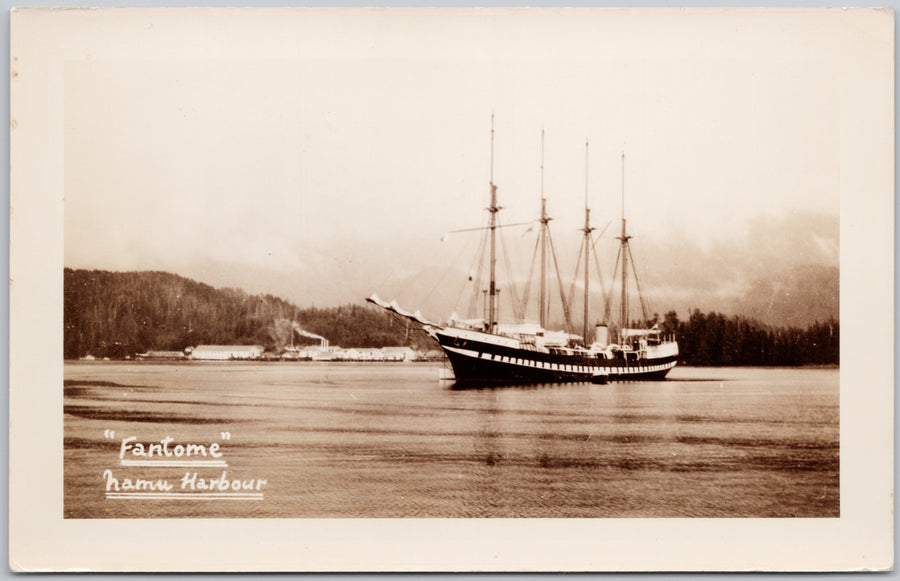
41	540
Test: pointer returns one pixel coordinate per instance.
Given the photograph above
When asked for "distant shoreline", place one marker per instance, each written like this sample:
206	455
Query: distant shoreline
380	363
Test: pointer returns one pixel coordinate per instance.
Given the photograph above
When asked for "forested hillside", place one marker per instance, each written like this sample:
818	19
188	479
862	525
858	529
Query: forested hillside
113	314
714	339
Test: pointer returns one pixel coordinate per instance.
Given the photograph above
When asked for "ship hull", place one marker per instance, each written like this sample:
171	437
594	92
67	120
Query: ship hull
486	361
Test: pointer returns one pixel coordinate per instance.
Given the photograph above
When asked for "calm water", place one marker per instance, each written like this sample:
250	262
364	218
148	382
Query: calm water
389	440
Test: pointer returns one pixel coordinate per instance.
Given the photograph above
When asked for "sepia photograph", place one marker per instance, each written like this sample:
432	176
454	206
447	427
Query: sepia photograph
512	267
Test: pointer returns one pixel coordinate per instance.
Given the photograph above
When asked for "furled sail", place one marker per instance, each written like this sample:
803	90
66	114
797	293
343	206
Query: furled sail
393	307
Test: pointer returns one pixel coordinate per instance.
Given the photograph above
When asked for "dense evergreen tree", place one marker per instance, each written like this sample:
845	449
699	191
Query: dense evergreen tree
714	339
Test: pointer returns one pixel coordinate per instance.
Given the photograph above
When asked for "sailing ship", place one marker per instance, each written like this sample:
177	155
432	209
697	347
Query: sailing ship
487	351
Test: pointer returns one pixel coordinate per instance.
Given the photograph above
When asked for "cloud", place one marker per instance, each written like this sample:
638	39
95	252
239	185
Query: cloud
782	271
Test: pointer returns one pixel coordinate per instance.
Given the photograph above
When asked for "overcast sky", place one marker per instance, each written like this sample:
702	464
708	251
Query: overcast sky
331	169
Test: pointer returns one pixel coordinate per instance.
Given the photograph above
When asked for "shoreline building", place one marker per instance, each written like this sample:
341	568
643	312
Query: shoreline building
398	353
226	352
169	355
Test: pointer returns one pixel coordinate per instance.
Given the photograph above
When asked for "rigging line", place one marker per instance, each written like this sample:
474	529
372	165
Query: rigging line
537	244
469	272
476	282
488	227
608	312
515	291
434	288
444	276
637	284
651	307
389	276
599	236
479	277
575	276
562	295
600	276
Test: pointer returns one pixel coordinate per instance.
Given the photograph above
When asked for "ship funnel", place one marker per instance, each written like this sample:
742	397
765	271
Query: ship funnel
601	335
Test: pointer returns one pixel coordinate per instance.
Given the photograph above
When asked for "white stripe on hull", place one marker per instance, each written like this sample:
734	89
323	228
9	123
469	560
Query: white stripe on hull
586	370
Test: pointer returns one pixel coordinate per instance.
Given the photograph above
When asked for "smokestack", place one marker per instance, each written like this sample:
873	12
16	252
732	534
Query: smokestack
601	335
302	333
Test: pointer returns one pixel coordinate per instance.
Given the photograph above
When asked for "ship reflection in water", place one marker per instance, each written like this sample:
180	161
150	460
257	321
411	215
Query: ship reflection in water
346	440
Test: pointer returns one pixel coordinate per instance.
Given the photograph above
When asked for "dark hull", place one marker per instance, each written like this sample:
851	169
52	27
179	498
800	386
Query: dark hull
483	362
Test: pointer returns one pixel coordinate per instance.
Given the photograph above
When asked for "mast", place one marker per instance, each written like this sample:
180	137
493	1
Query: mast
587	246
624	249
545	221
544	245
493	209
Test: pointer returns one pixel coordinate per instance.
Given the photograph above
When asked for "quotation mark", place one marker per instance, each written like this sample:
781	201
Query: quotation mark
226	435
109	433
